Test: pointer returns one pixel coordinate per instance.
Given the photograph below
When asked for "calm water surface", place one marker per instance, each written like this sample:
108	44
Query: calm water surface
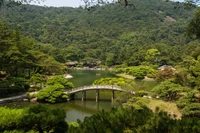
77	109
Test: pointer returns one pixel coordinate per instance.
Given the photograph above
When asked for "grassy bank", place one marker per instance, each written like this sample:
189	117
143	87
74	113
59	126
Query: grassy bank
169	107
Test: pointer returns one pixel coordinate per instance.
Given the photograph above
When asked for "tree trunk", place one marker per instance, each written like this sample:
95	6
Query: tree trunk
40	129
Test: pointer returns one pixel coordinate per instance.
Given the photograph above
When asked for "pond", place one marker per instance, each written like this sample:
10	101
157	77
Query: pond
87	77
77	109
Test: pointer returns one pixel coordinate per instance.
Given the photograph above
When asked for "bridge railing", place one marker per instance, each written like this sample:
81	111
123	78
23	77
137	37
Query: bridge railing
114	87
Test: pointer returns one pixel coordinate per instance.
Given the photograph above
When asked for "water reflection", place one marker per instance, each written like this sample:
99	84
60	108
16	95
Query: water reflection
80	109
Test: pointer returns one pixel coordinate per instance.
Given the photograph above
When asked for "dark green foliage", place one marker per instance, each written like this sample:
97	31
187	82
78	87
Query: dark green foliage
115	121
12	3
191	110
37	118
190	125
189	104
193	28
12	85
42	119
19	55
122	98
165	74
187	99
132	120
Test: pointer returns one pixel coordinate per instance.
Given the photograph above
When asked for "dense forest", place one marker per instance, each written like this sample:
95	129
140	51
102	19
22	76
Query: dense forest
35	42
111	34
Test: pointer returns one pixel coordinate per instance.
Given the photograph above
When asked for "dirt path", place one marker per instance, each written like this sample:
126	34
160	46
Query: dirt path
131	77
22	96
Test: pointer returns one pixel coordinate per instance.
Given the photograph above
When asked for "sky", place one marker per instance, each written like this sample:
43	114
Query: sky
60	3
66	3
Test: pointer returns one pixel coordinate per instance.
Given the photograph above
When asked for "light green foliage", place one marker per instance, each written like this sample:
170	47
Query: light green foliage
167	90
15	131
138	71
10	118
53	93
60	80
141	93
152	55
73	126
136	102
113	81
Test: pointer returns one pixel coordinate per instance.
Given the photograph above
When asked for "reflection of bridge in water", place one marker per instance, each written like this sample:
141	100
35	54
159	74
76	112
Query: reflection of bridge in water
97	88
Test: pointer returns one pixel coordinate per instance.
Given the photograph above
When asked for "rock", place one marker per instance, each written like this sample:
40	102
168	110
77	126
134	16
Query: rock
25	100
33	100
67	76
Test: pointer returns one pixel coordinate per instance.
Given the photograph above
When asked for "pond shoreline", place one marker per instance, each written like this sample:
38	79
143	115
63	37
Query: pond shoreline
88	68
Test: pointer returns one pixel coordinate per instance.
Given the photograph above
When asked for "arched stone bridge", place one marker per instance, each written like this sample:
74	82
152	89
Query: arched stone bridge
97	88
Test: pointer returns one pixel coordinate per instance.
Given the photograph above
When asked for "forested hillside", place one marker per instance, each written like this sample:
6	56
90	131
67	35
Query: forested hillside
36	41
112	34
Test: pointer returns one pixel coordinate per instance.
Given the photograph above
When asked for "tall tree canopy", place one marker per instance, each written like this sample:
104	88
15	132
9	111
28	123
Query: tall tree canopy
20	53
194	25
